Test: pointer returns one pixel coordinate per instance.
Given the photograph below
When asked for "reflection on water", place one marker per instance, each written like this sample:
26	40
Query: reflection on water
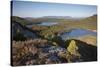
43	24
75	33
47	23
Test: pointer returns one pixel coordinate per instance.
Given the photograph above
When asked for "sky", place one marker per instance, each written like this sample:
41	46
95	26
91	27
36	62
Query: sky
40	9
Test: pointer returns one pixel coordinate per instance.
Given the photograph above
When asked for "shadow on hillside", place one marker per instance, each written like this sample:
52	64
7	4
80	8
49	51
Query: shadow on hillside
87	51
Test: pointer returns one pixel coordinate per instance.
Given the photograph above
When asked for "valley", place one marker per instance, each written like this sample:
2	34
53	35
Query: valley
57	40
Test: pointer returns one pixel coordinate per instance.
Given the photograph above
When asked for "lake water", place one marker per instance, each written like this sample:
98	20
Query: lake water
75	33
72	34
48	23
43	24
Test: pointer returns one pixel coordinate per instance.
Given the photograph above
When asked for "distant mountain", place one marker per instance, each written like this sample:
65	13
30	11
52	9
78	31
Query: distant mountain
51	19
58	17
30	18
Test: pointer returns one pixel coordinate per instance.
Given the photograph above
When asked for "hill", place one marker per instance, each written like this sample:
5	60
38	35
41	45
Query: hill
87	51
20	20
41	51
21	32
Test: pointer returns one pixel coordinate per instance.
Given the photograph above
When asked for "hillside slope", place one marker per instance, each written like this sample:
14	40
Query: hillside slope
20	20
20	32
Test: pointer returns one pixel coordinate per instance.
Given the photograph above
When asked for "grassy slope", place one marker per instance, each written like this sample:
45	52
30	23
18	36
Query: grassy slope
87	23
20	20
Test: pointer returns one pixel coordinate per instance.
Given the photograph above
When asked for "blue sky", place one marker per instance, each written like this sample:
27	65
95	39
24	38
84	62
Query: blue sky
39	9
